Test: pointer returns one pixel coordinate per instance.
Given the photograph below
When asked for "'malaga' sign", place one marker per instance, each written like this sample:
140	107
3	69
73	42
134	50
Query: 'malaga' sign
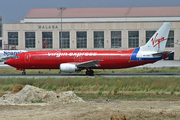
47	27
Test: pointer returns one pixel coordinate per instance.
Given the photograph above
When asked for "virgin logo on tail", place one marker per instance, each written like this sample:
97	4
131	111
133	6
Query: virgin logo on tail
156	41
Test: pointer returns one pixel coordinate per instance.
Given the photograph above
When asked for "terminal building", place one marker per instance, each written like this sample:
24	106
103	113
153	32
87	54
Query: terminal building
92	29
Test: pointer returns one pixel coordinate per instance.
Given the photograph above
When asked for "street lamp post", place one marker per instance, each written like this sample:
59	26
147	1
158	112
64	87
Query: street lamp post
61	8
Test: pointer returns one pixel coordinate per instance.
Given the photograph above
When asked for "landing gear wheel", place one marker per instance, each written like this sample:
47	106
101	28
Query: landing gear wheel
87	72
90	72
24	73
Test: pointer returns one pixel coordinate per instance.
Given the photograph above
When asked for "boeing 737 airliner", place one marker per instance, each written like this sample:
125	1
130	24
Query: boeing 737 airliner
72	61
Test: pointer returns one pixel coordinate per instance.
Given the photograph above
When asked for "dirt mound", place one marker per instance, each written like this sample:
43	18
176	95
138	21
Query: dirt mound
31	94
118	117
16	89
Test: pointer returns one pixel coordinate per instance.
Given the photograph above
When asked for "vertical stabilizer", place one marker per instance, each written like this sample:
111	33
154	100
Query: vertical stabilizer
158	41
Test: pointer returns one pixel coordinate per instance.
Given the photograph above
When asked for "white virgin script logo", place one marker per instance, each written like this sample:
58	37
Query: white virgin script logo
156	41
58	54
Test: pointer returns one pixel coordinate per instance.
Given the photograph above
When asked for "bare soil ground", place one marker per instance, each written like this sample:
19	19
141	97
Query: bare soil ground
92	110
155	109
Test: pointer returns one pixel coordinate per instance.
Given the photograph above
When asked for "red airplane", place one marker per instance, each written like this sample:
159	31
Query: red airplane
72	61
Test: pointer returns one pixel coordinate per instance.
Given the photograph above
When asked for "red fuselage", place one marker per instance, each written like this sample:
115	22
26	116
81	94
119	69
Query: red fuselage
53	59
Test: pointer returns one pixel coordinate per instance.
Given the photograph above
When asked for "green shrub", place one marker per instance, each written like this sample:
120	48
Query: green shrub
115	91
110	92
100	93
172	92
37	101
7	87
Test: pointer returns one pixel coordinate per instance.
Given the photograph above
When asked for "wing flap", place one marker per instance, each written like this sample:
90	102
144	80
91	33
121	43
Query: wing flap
88	64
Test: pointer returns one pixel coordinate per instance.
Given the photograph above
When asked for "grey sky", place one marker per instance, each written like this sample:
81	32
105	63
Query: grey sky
15	10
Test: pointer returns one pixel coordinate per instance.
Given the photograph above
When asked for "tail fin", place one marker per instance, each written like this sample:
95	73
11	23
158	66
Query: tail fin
158	41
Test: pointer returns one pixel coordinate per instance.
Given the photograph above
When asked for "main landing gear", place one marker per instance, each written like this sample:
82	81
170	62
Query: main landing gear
89	72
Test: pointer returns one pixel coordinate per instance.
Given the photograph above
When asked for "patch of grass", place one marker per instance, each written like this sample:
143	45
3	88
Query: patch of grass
115	91
163	84
37	101
157	93
130	96
127	70
100	93
172	92
105	88
143	115
89	96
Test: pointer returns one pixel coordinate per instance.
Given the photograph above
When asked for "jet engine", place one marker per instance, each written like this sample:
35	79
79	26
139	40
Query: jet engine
67	67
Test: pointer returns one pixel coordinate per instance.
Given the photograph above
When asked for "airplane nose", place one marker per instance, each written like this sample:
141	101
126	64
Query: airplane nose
8	62
11	62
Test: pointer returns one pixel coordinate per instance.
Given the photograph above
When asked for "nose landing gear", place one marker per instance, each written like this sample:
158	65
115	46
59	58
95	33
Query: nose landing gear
89	72
23	73
21	69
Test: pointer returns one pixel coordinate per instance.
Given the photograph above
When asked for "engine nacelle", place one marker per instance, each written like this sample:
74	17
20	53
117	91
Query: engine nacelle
67	67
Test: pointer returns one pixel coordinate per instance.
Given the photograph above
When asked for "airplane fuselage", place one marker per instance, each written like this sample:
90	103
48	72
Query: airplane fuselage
53	59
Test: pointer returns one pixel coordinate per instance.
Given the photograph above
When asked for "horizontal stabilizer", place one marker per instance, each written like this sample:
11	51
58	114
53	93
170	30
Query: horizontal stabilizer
163	53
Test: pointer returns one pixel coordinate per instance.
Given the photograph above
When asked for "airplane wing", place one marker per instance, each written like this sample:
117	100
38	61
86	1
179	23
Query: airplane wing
88	64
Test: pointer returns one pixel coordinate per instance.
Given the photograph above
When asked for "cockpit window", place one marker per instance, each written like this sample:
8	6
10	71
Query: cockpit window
15	57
